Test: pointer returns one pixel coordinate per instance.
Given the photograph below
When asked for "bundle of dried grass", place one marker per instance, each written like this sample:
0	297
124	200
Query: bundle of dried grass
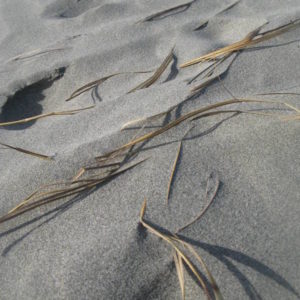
177	243
111	168
251	39
65	189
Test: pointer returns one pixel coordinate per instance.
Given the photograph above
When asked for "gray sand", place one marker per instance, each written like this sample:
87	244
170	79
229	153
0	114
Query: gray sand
93	248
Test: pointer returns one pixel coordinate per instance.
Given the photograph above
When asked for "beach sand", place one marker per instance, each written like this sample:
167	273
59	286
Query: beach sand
93	246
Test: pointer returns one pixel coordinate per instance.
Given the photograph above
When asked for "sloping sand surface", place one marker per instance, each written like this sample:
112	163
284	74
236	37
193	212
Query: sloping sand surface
92	246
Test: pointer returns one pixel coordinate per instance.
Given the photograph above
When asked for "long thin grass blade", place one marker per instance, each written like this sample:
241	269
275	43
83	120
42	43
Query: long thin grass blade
34	53
175	164
249	40
278	93
173	171
170	240
212	281
143	120
40	198
163	13
97	82
180	273
41	156
156	75
37	117
292	118
183	118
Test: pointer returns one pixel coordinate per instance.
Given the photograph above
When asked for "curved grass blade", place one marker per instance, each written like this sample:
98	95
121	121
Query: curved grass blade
183	118
97	82
156	75
37	117
165	12
249	40
170	240
40	198
180	273
175	164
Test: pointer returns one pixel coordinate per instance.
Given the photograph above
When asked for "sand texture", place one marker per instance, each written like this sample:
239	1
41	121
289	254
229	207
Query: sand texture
91	245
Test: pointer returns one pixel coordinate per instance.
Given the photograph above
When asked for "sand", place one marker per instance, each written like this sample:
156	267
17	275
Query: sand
93	247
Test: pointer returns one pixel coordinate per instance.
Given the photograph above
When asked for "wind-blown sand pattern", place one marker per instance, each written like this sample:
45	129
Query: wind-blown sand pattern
174	171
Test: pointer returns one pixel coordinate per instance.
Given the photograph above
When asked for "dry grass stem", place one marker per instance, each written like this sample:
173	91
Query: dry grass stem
183	118
251	39
180	272
165	12
173	171
175	164
97	82
35	154
279	93
175	241
37	117
35	53
156	74
73	188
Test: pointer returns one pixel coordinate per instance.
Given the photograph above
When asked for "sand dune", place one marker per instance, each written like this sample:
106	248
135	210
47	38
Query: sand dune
91	244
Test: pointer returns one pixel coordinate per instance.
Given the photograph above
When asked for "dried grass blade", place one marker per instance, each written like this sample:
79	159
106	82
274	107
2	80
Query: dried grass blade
156	75
41	156
173	171
35	53
89	86
170	240
278	93
249	40
212	281
151	118
180	273
55	195
181	119
175	164
166	11
97	82
37	117
292	118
